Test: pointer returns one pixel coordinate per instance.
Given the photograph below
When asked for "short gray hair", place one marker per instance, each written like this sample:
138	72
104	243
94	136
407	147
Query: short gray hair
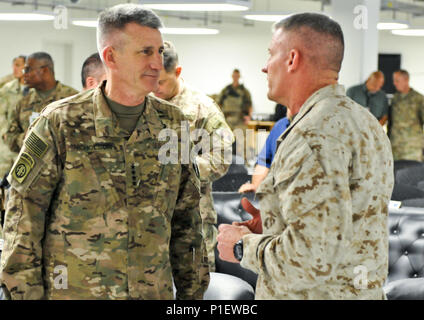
44	57
322	25
170	56
117	17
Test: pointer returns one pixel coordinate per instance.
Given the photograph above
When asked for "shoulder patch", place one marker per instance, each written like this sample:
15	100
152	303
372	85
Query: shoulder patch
23	167
36	145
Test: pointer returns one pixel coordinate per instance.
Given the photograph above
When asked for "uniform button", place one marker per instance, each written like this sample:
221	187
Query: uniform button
395	231
415	275
405	253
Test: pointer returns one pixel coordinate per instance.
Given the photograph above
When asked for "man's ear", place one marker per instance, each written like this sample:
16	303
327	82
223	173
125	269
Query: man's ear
109	57
90	82
178	71
293	61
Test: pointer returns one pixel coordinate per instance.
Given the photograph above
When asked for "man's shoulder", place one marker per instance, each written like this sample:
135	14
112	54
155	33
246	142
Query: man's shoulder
165	110
76	102
193	99
66	90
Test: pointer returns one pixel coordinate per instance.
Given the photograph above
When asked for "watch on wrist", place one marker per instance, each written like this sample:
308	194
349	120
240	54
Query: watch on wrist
238	250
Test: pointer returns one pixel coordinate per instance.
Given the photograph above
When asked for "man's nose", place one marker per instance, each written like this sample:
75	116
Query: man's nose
265	69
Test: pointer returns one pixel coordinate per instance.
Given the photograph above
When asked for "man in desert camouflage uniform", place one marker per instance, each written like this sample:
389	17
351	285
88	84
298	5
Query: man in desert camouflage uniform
92	202
407	119
204	115
39	74
236	103
324	203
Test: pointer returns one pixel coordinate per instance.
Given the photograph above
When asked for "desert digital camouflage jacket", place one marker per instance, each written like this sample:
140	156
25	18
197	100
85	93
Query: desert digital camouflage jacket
407	120
101	212
324	205
28	106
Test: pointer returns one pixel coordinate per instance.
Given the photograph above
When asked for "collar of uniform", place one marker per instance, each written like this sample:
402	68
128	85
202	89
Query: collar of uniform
325	92
104	122
50	98
151	117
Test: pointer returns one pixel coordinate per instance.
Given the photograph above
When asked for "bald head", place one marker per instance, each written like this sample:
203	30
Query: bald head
375	81
318	37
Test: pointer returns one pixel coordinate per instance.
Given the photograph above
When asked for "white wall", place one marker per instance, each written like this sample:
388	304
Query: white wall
207	60
29	37
411	49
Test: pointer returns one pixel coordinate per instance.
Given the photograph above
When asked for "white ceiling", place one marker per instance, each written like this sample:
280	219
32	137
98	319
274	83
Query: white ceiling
90	9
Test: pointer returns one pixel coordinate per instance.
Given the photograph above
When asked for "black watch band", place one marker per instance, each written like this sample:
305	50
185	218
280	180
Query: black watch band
238	250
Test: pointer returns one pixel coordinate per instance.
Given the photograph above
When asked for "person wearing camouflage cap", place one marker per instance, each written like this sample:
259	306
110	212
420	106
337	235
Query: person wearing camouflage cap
322	229
207	120
38	74
407	120
94	211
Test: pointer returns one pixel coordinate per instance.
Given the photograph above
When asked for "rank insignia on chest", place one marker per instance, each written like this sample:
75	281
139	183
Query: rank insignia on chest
23	167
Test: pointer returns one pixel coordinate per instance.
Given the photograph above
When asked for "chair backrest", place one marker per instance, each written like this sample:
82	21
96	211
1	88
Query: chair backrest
406	243
410	176
400	164
236	176
403	191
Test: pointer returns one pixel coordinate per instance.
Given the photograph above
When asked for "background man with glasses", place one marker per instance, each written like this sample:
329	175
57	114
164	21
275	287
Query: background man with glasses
45	89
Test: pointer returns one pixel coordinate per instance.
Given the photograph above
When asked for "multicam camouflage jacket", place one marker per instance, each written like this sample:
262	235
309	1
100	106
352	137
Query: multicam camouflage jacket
235	104
324	205
100	210
406	130
203	114
27	109
10	94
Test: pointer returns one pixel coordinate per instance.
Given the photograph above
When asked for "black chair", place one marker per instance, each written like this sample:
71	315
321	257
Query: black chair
412	176
401	164
403	191
236	176
228	207
406	254
417	203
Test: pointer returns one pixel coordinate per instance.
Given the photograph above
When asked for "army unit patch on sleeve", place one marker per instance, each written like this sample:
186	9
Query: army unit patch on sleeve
36	145
23	167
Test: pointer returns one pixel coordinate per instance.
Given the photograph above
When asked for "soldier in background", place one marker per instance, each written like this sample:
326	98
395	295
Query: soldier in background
18	64
407	119
91	199
370	96
93	72
39	74
324	202
10	94
203	114
236	103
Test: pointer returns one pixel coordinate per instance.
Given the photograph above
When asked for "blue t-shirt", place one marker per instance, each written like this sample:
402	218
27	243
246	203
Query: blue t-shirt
267	153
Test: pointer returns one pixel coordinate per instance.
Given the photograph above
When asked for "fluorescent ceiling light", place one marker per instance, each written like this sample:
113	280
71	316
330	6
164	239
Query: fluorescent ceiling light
267	17
204	31
198	5
409	32
392	25
25	17
85	23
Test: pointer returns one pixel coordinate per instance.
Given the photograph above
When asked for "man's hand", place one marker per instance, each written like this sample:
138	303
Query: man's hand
227	237
254	224
247	187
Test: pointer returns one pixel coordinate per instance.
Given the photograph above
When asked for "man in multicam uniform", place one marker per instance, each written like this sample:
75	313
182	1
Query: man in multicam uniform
92	72
236	103
91	202
10	94
39	74
324	203
205	116
407	119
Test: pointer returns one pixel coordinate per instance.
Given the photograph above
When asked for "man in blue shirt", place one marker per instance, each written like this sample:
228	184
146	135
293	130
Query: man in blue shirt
370	96
266	156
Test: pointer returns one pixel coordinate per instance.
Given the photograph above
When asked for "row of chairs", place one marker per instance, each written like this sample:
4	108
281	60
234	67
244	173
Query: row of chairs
409	183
